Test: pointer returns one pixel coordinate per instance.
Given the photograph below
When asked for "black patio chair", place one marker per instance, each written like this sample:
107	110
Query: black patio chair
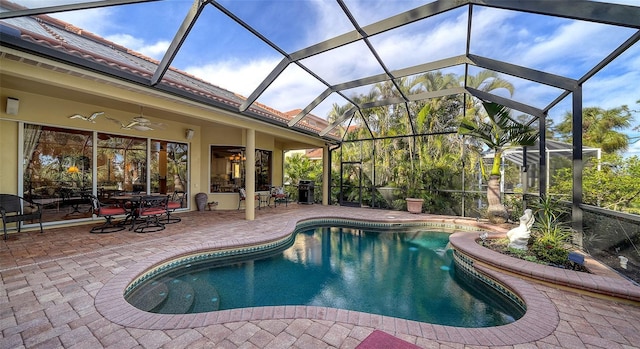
108	212
150	210
16	209
176	200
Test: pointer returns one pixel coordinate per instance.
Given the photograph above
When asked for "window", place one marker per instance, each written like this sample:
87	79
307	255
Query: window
169	164
263	170
228	169
57	165
122	164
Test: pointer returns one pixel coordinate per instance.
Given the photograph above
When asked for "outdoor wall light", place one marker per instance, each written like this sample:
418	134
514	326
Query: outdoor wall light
12	105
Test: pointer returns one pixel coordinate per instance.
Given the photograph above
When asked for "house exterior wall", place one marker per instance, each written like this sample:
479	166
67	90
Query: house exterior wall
48	97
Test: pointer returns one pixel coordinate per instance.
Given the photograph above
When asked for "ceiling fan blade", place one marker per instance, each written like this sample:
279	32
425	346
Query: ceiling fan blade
158	125
116	121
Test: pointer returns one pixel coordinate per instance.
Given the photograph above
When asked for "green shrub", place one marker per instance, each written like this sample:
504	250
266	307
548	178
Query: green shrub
549	232
550	252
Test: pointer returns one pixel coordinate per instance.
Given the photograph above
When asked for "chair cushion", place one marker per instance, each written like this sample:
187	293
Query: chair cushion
172	205
111	211
152	211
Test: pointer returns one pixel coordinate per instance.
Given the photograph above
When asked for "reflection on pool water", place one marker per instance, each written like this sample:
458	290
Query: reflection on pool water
408	274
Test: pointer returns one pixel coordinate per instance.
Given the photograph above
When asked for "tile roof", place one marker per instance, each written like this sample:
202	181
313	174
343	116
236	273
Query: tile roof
63	37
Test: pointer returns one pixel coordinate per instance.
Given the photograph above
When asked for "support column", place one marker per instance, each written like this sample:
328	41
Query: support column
524	177
576	211
326	170
250	175
542	151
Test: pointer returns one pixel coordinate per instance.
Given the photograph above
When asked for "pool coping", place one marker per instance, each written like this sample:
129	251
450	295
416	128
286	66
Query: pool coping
600	282
539	321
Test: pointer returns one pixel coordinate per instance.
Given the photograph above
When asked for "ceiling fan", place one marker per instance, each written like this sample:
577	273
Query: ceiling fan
139	123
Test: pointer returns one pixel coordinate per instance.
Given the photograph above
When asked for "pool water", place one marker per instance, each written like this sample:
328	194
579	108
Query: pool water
408	274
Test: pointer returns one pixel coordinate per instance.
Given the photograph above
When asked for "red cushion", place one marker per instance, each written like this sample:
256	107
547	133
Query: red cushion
152	211
173	205
111	211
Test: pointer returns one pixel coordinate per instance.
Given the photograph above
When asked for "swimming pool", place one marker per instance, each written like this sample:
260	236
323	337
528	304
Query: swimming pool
406	273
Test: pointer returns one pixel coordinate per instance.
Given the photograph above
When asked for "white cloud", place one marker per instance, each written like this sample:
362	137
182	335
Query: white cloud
155	50
96	21
235	75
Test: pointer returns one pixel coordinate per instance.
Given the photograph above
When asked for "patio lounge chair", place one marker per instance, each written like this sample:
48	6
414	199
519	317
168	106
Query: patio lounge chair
107	212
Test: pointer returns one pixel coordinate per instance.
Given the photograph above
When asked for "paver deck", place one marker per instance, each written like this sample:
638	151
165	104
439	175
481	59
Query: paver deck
60	290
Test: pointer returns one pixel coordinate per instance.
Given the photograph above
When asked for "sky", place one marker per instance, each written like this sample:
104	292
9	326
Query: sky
220	51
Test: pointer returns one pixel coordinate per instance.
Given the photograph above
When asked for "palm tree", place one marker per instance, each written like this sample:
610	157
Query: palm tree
499	133
599	128
486	81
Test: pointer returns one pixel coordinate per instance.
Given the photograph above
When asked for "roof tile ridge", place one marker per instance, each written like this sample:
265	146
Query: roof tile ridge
48	30
272	110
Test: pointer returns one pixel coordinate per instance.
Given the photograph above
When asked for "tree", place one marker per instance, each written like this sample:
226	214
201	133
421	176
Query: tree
613	185
298	166
486	81
498	132
600	128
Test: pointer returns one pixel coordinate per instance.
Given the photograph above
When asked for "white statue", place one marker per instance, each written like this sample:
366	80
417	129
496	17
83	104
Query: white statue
519	237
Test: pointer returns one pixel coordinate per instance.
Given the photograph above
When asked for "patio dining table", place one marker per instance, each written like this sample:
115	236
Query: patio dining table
130	204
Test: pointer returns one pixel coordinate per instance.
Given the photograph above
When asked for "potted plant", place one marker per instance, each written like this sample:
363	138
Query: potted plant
414	205
414	196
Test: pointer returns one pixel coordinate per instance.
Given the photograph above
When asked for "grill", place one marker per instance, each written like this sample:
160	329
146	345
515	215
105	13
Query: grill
305	191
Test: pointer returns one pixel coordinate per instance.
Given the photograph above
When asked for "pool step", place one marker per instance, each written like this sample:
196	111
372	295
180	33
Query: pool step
150	296
206	295
179	298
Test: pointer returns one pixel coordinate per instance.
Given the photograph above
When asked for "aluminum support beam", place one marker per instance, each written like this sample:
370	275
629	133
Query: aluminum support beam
542	160
437	94
525	73
610	57
578	167
422	12
349	113
326	93
592	11
421	68
178	39
284	63
69	7
527	109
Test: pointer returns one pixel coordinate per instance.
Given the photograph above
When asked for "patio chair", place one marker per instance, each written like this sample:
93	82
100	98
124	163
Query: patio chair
149	211
243	197
279	196
108	212
16	209
175	201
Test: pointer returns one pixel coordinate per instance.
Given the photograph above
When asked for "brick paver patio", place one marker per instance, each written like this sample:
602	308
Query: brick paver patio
60	290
